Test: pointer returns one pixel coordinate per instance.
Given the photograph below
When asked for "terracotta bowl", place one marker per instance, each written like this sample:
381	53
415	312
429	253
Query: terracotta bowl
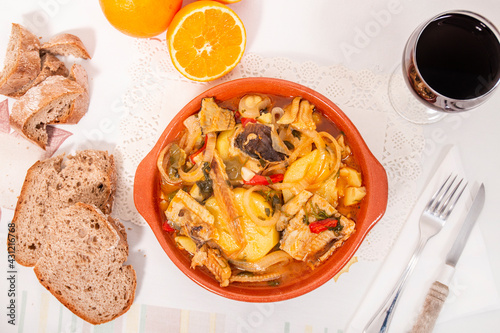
147	188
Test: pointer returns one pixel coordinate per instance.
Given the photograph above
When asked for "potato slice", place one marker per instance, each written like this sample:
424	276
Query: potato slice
260	240
316	167
353	195
352	176
266	118
223	144
186	243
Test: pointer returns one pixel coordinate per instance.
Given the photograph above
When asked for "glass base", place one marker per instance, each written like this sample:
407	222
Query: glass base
406	104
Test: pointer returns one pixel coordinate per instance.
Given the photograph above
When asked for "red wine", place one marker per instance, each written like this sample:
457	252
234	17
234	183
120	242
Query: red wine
458	56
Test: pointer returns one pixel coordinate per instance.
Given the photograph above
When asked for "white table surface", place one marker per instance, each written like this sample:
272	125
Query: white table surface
303	30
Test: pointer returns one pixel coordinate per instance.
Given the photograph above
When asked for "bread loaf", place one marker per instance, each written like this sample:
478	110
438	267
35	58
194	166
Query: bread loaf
66	44
54	184
51	65
22	61
46	103
80	105
82	264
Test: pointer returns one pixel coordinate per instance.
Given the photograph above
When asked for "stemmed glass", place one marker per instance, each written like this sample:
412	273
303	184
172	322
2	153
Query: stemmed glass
451	63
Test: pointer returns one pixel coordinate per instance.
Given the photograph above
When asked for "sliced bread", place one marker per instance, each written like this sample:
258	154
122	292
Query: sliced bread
82	264
46	103
51	65
22	60
89	176
80	105
54	184
65	45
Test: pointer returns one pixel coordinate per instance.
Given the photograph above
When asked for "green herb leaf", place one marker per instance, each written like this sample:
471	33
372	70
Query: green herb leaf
268	212
273	283
296	134
289	145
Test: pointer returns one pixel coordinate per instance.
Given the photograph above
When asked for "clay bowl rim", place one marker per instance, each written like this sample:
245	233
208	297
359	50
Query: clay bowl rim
146	190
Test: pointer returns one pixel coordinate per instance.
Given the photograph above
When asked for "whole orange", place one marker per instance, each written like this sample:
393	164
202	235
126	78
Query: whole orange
228	1
140	18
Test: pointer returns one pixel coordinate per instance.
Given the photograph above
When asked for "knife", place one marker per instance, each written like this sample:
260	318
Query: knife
439	290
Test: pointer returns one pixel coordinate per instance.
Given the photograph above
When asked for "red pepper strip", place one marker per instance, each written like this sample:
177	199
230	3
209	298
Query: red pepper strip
322	225
245	121
167	227
264	180
193	155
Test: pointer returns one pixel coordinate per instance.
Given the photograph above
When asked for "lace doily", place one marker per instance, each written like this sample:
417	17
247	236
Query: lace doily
158	91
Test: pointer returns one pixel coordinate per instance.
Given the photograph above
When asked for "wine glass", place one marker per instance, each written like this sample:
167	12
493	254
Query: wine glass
451	63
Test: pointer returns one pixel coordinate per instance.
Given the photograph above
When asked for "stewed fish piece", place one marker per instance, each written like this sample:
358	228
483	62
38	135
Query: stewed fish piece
256	140
292	207
224	196
314	233
213	260
214	118
190	218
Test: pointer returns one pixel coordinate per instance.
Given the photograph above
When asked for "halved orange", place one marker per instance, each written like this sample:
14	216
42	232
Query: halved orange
206	40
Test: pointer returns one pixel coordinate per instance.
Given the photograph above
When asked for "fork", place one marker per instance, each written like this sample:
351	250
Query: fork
432	220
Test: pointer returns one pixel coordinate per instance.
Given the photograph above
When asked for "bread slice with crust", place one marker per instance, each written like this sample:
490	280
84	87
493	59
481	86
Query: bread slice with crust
46	103
80	105
89	176
22	60
82	264
66	44
51	65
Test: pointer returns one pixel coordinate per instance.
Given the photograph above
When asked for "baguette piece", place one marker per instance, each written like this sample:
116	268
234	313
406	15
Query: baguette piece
66	44
54	184
46	103
82	265
22	60
51	65
80	105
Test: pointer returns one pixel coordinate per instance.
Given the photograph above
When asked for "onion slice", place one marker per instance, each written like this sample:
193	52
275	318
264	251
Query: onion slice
334	145
307	142
277	113
263	264
165	156
209	149
192	176
318	140
255	219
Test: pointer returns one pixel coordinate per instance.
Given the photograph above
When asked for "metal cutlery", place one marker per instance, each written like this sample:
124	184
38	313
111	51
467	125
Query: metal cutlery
439	290
432	220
